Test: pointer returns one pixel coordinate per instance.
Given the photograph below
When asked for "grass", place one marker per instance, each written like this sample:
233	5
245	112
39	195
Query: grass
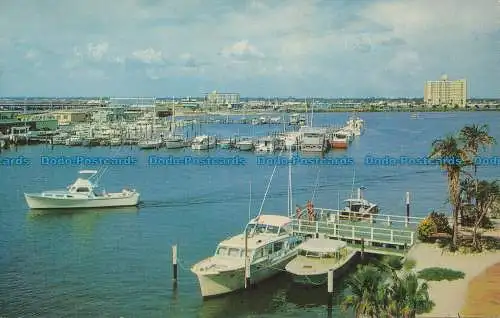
439	274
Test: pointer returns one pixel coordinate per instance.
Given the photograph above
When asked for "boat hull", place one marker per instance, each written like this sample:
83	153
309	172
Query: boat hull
339	144
202	146
221	283
245	146
36	201
174	144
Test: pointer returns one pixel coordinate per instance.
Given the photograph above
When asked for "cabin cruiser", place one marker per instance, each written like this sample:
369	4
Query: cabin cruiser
358	207
203	142
268	244
356	125
316	257
81	194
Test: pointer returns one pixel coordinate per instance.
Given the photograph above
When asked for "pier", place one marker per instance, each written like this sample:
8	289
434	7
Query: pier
377	233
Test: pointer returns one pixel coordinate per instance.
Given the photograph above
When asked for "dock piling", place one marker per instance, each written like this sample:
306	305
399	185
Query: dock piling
174	263
330	290
407	209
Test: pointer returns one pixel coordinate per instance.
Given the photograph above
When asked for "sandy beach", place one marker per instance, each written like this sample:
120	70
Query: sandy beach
450	296
483	294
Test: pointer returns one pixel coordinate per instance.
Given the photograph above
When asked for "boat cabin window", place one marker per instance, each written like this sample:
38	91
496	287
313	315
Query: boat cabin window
278	246
222	251
234	252
83	189
273	229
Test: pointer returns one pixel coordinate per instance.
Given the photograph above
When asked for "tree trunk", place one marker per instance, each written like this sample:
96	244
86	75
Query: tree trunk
454	189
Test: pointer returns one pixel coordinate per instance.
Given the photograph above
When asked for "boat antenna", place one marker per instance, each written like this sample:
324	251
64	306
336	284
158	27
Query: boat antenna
250	202
290	200
353	178
315	186
269	184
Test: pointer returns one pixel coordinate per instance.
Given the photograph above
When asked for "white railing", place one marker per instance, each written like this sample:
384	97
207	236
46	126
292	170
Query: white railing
337	216
355	232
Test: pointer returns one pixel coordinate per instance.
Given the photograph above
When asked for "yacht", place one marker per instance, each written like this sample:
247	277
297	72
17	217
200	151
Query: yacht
74	141
356	125
203	142
316	257
81	194
263	249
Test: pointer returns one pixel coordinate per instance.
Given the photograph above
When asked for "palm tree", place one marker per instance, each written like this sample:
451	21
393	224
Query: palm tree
487	194
367	292
452	158
407	296
475	138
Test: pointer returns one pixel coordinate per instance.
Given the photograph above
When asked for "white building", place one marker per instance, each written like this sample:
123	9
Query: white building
216	99
446	92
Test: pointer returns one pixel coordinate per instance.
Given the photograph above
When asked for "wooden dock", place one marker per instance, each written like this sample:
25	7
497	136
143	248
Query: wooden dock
381	233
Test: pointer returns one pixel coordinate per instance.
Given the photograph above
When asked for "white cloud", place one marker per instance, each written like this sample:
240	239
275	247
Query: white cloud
241	50
148	56
97	51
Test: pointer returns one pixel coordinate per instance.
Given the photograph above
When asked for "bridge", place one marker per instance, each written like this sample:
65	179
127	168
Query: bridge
375	233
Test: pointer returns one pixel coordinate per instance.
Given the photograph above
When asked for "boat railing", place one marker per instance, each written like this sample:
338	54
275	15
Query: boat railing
355	232
335	216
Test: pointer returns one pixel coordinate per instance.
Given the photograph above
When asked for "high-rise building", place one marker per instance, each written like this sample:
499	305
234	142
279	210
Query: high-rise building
446	92
216	99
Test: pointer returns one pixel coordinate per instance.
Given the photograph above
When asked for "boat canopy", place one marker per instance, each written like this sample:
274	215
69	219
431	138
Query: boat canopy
322	245
87	171
274	220
359	201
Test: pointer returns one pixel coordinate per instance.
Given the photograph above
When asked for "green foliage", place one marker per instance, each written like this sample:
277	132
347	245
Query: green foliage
441	221
409	264
439	274
394	262
426	229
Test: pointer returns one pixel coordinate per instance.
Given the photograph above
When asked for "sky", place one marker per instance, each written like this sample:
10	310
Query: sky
269	48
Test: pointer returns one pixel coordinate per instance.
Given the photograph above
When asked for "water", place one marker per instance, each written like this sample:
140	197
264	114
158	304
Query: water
112	263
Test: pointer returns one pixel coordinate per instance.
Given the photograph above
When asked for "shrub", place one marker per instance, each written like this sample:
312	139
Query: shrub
441	221
439	274
409	264
393	262
425	229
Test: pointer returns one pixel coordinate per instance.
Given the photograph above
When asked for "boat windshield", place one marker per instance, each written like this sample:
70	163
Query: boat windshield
229	251
318	254
262	228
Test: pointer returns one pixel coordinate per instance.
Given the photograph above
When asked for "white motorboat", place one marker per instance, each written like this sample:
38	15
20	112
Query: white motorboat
81	194
269	247
175	142
203	142
312	140
356	125
266	144
74	141
150	143
316	257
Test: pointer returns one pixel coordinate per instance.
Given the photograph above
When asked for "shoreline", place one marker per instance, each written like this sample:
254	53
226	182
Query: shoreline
450	296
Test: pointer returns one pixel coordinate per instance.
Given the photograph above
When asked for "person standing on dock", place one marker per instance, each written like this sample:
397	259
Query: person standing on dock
298	212
310	210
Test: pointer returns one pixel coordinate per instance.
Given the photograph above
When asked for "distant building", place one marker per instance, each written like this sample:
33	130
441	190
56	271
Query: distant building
446	92
216	99
67	117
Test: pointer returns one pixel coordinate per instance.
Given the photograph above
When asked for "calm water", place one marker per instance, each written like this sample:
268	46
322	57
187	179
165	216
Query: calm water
112	263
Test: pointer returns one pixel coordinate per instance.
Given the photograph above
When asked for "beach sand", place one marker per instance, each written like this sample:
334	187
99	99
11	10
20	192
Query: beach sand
483	294
450	296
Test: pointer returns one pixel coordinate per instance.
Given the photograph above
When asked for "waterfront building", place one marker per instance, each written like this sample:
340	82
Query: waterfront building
217	100
67	117
445	92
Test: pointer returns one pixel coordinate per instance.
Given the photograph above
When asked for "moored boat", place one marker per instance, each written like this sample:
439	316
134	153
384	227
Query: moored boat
203	142
268	244
316	257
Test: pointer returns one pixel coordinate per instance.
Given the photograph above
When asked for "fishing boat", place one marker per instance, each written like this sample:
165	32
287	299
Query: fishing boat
226	143
313	140
266	144
175	142
339	140
356	125
203	142
269	247
81	194
316	257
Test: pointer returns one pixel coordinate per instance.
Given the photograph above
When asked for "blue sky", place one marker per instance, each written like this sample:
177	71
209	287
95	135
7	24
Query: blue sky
337	48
